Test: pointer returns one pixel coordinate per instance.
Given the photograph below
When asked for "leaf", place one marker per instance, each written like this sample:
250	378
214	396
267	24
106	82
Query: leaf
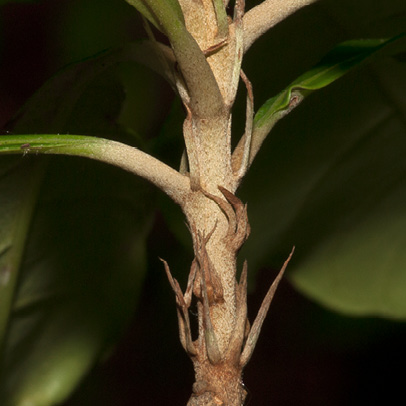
80	280
343	58
18	191
335	188
54	102
84	259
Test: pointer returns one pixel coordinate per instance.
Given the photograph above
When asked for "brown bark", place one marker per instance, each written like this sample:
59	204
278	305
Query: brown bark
225	339
217	219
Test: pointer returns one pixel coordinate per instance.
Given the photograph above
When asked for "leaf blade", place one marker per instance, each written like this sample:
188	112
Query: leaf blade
80	280
18	196
44	334
341	60
335	189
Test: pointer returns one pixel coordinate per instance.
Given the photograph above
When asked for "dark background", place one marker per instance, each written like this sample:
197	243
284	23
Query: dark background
306	355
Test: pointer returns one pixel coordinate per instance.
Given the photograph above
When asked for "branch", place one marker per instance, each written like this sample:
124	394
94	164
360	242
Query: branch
266	15
142	164
124	156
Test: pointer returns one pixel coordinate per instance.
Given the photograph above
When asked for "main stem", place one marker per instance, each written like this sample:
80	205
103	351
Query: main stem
217	219
216	364
219	226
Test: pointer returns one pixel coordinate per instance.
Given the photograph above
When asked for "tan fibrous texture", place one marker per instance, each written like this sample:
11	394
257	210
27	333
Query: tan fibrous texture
200	18
219	226
217	219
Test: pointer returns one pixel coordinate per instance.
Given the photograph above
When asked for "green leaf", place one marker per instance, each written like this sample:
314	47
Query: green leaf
84	259
52	105
18	192
80	280
335	187
342	59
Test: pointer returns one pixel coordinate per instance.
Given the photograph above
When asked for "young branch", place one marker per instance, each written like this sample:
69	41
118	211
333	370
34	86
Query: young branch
116	153
146	166
266	15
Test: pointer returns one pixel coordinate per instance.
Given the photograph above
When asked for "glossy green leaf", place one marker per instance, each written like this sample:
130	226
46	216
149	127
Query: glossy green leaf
335	64
82	271
84	258
65	88
335	187
18	192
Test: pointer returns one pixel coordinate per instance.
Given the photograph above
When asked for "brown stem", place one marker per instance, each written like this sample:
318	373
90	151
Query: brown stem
225	341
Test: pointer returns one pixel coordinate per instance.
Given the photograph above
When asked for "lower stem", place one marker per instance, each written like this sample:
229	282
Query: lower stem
225	340
214	224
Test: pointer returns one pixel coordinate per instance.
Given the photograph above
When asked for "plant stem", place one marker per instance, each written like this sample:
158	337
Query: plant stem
217	219
115	153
